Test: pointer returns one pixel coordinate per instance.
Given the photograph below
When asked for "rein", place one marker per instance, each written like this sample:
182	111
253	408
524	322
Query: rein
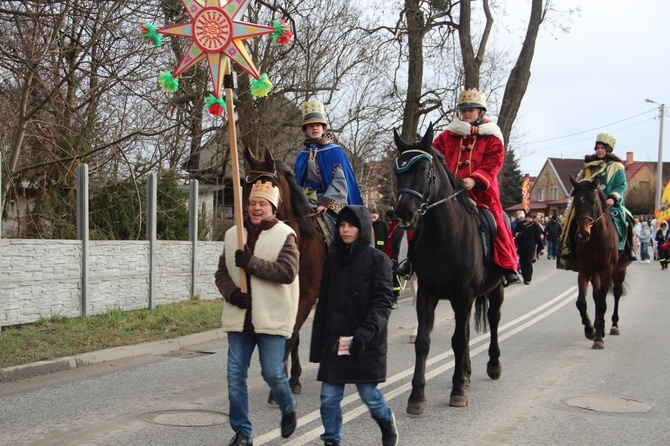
314	214
430	181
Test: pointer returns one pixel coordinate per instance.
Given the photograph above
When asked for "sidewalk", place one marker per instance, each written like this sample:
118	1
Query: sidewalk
19	372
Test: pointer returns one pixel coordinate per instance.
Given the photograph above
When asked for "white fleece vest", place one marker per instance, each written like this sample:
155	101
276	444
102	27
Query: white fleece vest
274	306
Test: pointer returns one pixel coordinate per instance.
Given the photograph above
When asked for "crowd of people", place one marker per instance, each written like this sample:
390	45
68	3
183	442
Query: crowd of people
360	284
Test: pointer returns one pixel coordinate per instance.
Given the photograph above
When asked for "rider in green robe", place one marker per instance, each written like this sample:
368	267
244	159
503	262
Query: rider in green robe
611	175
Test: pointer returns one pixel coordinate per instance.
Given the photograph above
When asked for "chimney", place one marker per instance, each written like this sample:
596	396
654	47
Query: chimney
629	157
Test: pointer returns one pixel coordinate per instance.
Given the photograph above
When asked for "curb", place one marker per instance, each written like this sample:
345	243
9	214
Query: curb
19	372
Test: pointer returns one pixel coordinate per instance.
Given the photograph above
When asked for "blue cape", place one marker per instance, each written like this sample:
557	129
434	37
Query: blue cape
326	156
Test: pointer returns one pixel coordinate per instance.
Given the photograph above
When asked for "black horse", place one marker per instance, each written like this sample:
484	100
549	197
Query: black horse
597	257
448	257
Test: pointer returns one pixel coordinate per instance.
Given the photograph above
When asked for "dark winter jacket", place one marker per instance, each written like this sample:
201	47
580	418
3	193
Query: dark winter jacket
528	237
355	299
553	230
381	230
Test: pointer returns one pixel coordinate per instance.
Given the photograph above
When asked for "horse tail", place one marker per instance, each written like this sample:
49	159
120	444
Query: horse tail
481	309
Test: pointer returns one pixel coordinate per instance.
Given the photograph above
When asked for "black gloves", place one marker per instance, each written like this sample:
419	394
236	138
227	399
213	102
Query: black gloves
240	299
242	258
357	346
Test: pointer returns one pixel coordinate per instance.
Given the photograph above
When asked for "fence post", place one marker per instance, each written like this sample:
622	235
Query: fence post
152	212
0	233
193	231
82	231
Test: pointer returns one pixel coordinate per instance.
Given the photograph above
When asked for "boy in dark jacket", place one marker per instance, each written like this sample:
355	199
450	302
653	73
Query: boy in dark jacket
349	334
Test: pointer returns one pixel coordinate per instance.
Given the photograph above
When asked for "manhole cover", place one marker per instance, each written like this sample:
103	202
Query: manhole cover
185	418
608	404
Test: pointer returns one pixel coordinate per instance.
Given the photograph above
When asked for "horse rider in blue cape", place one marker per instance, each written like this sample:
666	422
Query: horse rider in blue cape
611	174
323	170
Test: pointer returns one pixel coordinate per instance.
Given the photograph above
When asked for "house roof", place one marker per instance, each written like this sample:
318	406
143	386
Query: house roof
564	168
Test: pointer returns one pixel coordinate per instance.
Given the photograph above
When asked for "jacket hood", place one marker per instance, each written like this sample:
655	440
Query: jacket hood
360	214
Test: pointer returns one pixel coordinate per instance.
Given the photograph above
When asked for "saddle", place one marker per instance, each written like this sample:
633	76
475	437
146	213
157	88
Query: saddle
488	229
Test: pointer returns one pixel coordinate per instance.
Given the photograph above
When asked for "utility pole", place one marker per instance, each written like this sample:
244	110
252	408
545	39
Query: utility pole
659	166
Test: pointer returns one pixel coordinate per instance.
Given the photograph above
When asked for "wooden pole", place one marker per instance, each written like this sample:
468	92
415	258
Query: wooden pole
235	168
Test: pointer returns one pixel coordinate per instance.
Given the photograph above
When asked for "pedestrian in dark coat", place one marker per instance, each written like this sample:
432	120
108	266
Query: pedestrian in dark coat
349	334
528	237
553	233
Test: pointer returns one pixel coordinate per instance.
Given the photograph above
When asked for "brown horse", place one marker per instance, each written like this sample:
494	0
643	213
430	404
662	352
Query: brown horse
598	260
295	211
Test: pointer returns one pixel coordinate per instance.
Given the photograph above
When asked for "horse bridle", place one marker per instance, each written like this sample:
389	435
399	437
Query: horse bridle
429	185
590	218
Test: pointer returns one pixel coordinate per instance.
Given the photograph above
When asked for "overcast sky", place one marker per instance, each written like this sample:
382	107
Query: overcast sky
596	79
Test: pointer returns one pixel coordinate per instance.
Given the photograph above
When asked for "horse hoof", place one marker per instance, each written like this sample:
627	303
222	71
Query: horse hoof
590	335
458	401
614	331
466	382
494	372
416	408
598	345
296	389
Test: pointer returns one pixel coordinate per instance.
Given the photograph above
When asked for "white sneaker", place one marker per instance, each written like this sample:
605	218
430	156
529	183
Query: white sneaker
648	261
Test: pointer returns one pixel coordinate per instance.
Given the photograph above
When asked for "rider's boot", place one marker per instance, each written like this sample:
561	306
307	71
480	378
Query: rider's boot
511	277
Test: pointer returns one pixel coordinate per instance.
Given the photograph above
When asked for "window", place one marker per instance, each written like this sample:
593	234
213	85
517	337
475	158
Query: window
553	193
540	195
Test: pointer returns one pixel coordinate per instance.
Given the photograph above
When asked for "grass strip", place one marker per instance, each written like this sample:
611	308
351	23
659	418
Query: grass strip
59	336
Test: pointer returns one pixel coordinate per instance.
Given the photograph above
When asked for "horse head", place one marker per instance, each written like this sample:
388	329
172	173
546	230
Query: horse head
588	204
264	170
414	171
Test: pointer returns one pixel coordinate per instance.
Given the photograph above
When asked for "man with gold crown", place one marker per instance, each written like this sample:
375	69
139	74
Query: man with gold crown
265	315
611	174
322	168
473	148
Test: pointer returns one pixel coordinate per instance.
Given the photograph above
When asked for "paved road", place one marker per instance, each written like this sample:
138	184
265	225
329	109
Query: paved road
555	390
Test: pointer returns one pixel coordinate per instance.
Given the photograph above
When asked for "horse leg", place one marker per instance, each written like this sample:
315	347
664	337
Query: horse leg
425	311
496	298
617	290
296	368
600	289
467	365
459	343
583	283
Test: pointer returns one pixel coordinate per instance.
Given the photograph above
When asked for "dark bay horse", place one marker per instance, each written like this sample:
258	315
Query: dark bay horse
448	258
296	212
598	260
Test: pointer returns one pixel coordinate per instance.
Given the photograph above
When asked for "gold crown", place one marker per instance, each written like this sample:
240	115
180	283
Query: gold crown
472	98
313	112
606	139
265	190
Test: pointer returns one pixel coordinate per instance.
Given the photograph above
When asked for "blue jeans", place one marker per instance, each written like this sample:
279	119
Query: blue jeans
552	248
271	354
644	252
331	411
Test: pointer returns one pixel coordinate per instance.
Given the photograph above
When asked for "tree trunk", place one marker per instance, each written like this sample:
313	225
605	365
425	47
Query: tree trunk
415	33
520	74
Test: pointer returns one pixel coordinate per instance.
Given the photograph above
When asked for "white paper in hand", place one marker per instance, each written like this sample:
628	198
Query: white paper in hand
343	345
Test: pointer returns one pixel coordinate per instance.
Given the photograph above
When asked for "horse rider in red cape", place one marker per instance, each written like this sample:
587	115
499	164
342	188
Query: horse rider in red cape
474	150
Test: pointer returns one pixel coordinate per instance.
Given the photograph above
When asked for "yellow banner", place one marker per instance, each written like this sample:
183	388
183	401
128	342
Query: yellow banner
664	213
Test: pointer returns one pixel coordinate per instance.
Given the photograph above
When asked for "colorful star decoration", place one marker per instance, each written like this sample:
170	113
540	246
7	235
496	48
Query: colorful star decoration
217	33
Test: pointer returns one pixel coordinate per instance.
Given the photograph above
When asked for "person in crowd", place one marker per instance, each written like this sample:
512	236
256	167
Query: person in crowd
380	228
605	166
541	247
645	238
663	243
653	225
552	233
529	237
392	250
473	149
636	234
264	315
349	332
520	216
322	168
